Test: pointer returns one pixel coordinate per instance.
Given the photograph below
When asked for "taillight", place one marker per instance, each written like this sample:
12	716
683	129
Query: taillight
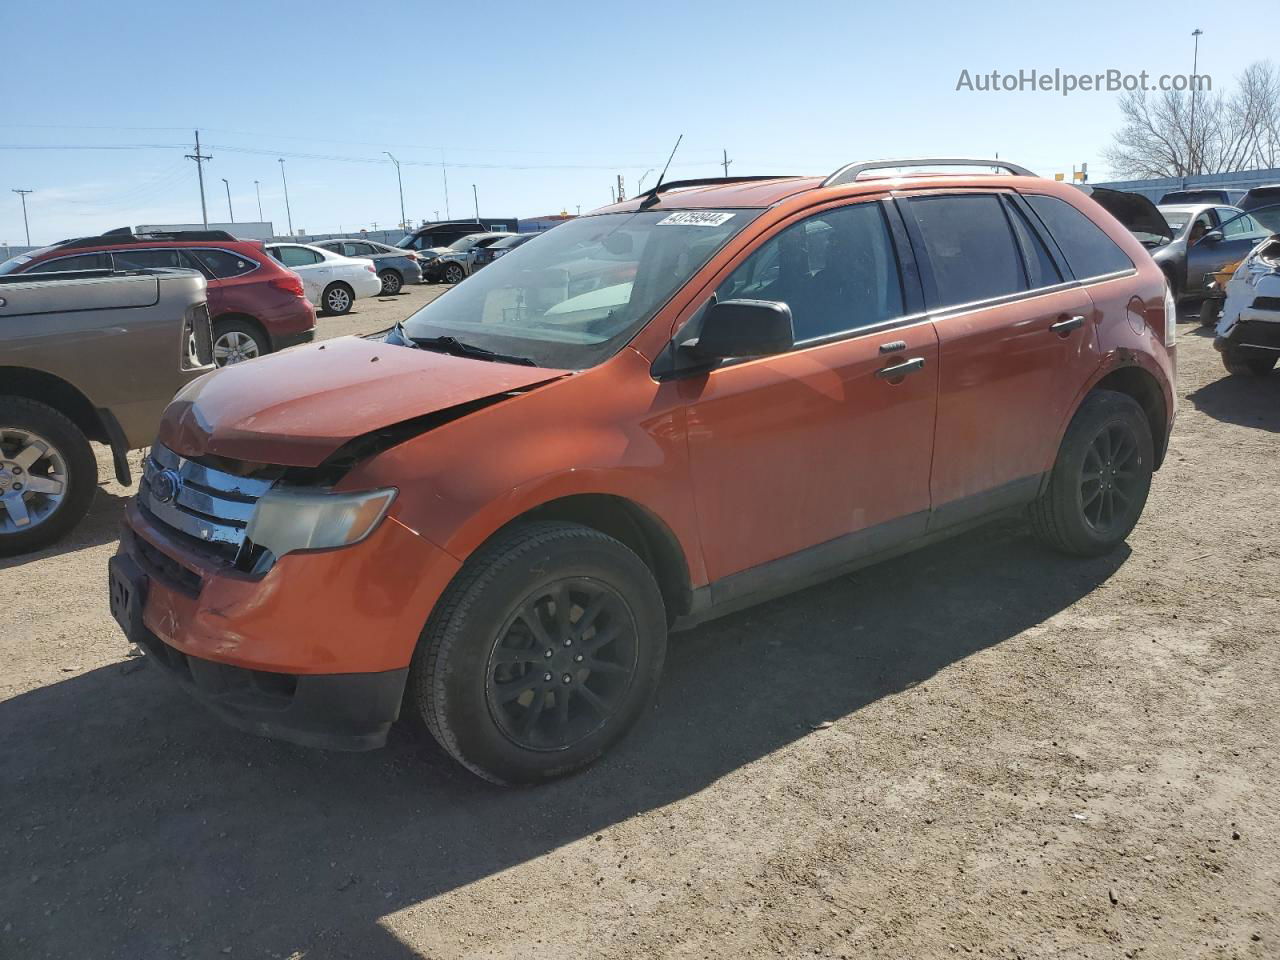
371	268
1170	318
289	284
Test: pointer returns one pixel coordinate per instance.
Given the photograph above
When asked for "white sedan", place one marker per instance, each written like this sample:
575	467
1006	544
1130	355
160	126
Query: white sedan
332	282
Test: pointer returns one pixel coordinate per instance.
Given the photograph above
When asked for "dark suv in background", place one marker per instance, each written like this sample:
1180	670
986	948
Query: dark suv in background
256	305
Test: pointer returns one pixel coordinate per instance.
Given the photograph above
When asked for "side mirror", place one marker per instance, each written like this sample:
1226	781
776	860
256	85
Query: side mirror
742	328
1213	236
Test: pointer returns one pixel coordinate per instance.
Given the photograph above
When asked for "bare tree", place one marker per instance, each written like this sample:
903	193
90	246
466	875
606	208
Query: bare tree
1236	132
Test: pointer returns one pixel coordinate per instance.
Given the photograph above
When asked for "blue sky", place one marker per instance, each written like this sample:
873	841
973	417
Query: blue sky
540	105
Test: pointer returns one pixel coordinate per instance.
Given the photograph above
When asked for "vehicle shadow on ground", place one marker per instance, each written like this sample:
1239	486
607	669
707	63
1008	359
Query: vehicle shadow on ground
1245	400
100	525
134	824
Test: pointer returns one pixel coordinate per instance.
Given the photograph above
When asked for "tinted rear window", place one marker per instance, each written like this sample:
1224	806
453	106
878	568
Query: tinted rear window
1089	251
970	247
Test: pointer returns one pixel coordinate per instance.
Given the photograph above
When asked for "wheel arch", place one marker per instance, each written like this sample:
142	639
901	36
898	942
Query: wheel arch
55	392
249	319
635	526
1138	383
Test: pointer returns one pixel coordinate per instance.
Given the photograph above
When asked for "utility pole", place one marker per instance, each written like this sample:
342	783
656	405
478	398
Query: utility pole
229	212
258	190
725	163
475	196
287	212
200	158
403	224
444	171
23	195
1192	160
622	193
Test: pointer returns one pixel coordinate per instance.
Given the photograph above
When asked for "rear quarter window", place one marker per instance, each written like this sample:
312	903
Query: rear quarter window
1089	251
223	263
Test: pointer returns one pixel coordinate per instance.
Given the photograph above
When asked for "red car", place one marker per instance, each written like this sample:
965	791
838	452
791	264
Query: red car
257	306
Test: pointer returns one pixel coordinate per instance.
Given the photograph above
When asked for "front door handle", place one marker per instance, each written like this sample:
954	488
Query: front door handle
1065	326
914	365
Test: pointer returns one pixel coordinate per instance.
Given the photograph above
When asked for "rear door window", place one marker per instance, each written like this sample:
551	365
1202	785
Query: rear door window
295	256
1089	251
82	261
1041	270
168	258
970	247
223	263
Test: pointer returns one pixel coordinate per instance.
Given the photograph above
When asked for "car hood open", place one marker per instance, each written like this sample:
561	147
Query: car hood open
1136	212
297	407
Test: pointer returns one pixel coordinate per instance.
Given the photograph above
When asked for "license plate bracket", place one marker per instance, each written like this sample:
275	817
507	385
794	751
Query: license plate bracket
127	593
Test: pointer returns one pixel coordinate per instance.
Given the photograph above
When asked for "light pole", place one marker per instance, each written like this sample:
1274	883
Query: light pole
258	190
1192	160
444	172
23	195
226	184
476	197
287	212
640	182
403	226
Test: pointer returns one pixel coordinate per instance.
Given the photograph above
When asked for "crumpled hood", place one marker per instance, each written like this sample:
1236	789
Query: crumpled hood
297	407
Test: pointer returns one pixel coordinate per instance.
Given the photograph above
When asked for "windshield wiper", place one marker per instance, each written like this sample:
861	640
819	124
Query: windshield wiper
455	347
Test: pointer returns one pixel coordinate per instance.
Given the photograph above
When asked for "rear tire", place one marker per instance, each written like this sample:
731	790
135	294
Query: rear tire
24	426
1241	364
235	341
337	299
520	687
391	282
1100	481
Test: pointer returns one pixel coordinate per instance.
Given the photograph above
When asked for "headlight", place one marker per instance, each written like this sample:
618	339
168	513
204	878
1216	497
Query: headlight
1170	318
288	520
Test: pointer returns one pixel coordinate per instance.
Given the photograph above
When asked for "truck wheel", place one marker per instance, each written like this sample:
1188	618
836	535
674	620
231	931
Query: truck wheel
337	299
541	654
1099	483
454	273
47	475
1242	364
391	282
235	341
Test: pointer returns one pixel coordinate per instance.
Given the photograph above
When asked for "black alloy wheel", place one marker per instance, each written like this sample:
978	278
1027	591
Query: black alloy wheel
564	664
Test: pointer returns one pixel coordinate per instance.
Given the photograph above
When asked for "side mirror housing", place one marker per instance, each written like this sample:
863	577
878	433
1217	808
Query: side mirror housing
1213	236
733	329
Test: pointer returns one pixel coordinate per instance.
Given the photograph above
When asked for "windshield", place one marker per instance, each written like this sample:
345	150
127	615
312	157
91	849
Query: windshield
583	290
13	263
1177	218
466	243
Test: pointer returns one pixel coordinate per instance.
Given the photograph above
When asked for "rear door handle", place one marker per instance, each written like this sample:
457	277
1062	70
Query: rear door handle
914	365
1067	325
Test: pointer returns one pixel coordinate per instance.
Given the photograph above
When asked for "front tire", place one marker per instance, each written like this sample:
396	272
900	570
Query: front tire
541	654
1100	481
47	475
337	299
1240	363
391	282
454	273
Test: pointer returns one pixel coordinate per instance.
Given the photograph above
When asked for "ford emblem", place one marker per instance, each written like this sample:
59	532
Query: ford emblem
166	485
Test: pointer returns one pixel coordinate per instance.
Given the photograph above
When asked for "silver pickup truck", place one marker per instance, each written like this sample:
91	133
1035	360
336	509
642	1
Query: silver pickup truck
88	355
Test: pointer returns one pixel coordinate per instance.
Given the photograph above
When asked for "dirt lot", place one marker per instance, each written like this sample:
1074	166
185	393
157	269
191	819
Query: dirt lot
979	749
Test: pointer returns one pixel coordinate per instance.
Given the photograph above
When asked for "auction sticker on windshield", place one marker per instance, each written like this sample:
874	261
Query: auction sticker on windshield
695	218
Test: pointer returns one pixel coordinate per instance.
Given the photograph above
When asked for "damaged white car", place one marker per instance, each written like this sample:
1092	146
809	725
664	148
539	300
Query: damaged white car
1248	334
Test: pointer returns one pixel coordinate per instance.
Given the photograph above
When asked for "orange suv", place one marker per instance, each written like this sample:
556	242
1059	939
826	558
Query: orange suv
491	516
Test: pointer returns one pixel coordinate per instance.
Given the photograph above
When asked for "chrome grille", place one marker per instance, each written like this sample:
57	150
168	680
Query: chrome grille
199	501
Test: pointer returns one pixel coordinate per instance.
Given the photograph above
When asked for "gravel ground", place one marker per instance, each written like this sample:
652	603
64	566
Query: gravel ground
981	748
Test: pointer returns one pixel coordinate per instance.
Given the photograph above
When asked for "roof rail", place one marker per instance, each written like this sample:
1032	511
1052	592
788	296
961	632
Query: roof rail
852	171
124	235
650	197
